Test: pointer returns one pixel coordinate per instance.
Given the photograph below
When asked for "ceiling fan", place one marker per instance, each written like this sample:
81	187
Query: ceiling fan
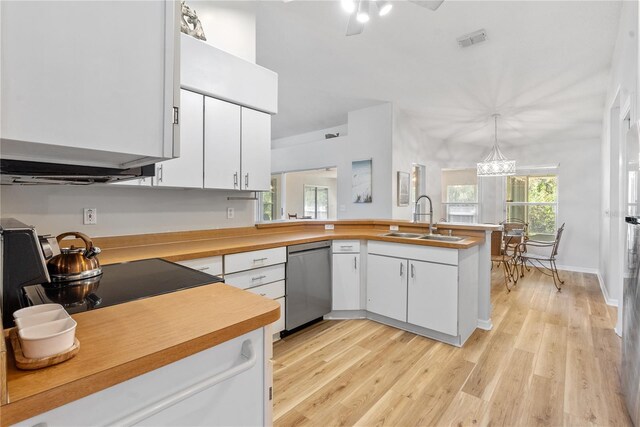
359	11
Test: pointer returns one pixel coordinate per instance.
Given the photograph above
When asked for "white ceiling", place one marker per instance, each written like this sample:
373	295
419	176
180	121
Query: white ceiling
544	67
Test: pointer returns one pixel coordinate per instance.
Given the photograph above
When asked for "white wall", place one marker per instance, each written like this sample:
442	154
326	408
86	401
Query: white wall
369	137
121	211
304	138
294	201
229	25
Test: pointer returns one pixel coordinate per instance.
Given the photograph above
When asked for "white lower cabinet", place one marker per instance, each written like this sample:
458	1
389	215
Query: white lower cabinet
261	272
387	286
433	296
346	281
210	265
225	385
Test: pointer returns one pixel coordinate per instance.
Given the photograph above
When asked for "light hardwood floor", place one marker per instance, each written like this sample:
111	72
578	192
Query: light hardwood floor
551	359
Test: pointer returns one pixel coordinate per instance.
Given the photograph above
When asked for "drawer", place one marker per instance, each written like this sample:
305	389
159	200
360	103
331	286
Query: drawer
211	265
278	325
271	290
256	277
416	252
248	260
346	246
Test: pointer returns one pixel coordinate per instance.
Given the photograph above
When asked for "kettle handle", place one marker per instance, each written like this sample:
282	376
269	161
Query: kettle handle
86	239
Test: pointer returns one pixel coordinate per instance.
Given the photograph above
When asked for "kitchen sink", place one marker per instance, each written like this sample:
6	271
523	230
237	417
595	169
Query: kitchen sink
441	238
403	235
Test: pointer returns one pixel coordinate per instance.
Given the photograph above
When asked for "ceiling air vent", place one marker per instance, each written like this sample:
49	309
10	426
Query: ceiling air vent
472	38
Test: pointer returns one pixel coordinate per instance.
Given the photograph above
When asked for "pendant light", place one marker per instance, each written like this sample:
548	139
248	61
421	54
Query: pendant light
496	164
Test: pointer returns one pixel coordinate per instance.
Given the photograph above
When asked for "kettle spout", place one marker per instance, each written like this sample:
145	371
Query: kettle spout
92	252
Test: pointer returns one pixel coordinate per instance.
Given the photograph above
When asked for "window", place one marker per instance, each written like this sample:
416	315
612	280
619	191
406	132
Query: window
534	200
417	182
316	202
268	201
460	195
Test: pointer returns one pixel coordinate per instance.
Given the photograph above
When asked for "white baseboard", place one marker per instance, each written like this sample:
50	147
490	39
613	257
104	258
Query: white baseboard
487	325
610	301
578	269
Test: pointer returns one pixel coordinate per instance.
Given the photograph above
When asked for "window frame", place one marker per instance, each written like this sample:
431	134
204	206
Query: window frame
304	199
534	174
478	203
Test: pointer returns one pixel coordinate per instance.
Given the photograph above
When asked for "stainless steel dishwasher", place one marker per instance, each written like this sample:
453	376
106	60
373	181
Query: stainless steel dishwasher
308	286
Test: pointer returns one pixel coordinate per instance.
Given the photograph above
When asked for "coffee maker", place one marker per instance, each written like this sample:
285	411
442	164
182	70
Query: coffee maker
24	263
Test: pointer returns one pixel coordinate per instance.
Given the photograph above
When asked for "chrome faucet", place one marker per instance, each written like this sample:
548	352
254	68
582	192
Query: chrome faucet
416	212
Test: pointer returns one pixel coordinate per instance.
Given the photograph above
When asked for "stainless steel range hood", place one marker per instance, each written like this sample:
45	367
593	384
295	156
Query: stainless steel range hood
20	172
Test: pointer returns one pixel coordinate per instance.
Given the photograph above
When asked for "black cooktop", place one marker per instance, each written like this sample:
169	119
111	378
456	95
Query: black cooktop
120	283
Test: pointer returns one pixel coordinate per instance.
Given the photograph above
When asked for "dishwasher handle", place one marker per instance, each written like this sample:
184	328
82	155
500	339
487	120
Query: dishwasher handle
306	247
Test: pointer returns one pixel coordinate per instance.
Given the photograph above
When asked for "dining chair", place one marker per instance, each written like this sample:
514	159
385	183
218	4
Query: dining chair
515	232
538	260
504	256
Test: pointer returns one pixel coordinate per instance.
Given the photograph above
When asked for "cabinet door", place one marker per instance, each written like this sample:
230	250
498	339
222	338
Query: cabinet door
387	286
99	90
433	296
256	150
169	396
221	144
186	171
346	282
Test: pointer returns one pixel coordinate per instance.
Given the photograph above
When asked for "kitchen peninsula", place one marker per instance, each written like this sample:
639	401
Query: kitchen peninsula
128	340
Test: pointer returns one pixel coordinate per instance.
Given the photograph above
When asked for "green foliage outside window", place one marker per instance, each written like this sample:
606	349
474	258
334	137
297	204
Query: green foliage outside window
523	191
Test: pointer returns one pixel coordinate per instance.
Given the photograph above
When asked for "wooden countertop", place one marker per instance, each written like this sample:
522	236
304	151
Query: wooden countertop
127	340
190	245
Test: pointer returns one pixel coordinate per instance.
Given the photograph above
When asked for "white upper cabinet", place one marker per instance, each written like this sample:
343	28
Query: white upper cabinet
213	72
187	170
256	150
221	144
88	82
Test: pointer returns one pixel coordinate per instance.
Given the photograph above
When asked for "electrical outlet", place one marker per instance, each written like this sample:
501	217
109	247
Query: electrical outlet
90	216
342	208
393	228
328	227
230	213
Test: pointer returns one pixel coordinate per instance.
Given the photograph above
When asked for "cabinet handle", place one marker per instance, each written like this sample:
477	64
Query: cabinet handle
160	173
413	271
235	180
259	260
203	268
401	269
263	295
355	262
346	247
253	279
246	181
248	359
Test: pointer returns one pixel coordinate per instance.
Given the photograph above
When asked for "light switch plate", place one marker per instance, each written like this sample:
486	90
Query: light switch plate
328	227
230	213
90	216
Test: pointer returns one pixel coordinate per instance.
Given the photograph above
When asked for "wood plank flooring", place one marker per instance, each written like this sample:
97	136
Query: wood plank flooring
552	359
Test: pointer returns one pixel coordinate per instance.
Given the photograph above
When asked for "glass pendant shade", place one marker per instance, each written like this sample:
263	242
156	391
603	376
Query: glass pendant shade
496	164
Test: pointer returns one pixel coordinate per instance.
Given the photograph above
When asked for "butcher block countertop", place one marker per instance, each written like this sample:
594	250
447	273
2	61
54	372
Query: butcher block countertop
180	246
123	341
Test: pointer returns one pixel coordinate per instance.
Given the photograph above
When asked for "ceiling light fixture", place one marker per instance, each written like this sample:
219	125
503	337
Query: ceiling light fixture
363	11
496	164
384	7
348	5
